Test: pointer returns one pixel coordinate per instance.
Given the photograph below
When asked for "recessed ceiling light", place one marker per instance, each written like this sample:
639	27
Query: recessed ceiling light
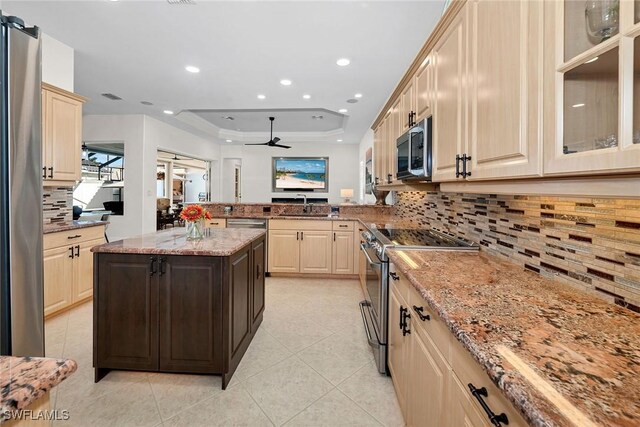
228	140
339	140
285	82
343	62
577	105
342	110
261	96
168	112
592	60
192	69
306	96
357	95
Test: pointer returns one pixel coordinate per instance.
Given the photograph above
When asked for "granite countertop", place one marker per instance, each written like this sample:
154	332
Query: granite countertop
217	242
23	380
365	219
563	357
56	227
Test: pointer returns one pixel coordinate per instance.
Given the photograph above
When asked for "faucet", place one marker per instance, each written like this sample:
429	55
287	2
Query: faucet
305	208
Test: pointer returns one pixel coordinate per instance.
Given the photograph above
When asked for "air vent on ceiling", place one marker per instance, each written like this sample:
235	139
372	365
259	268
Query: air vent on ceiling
111	96
146	103
352	100
181	2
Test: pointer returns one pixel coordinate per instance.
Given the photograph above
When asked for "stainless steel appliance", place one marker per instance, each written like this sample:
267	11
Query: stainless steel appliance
21	277
375	242
414	152
246	223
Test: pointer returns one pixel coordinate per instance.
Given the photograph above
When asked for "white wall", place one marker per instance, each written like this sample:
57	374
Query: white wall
257	164
142	137
365	144
57	63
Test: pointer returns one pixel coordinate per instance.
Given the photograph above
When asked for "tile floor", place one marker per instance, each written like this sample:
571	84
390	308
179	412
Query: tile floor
308	365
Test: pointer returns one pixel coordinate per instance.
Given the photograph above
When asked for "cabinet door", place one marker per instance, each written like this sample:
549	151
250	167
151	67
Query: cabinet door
83	270
384	149
58	279
397	347
377	155
62	136
427	383
284	251
126	312
393	134
408	105
257	296
459	407
342	262
424	89
449	123
240	310
190	321
505	87
315	252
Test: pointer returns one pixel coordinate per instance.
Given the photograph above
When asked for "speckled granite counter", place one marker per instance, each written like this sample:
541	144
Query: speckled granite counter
217	242
70	225
23	380
586	350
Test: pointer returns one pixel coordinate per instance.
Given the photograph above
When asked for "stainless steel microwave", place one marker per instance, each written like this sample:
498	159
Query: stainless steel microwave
414	152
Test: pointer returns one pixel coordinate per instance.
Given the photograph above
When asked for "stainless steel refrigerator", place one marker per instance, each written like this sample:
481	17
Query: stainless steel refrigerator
21	275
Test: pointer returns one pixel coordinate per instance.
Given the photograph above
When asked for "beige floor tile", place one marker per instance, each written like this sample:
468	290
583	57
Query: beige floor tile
375	394
336	357
174	392
297	332
332	410
286	389
264	352
233	407
135	407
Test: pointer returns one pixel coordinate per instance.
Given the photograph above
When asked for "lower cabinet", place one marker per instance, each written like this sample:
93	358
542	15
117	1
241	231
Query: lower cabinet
68	267
190	314
312	247
433	374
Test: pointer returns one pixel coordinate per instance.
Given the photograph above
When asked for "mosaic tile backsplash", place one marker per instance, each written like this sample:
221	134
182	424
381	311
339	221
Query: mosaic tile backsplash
57	204
590	243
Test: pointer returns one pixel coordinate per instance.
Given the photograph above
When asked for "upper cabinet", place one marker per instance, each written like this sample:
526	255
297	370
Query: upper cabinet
61	136
591	94
423	83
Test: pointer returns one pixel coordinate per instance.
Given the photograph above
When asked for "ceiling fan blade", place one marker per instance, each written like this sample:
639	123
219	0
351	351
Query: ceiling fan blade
275	140
280	145
259	143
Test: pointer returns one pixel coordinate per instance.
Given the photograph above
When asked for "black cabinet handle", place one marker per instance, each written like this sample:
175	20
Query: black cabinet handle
74	237
78	251
404	315
480	393
302	235
72	255
343	226
258	271
389	178
334	237
153	267
458	158
394	276
163	266
50	172
420	312
401	323
377	180
297	235
44	172
464	166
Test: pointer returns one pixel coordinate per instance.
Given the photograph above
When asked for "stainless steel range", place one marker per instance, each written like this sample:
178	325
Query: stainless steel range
374	244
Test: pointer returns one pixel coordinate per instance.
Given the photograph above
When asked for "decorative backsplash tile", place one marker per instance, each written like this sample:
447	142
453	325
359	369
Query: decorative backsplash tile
57	203
590	243
295	209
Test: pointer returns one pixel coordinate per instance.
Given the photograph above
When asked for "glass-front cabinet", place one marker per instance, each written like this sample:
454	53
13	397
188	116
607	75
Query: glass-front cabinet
592	62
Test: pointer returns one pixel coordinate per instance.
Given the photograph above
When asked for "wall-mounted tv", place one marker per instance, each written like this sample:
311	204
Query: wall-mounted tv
301	174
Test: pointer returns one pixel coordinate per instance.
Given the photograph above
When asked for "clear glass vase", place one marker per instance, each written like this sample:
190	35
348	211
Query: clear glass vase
195	230
602	18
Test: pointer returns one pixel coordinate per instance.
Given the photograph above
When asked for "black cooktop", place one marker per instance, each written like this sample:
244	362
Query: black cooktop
421	237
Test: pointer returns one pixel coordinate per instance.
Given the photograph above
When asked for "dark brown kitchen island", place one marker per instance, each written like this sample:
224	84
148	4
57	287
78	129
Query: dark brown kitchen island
166	304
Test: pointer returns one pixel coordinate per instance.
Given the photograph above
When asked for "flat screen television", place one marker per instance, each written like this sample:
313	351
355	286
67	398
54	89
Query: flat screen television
301	174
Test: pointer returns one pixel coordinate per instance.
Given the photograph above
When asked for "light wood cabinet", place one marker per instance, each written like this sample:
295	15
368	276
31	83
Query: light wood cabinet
505	77
424	88
342	252
393	133
315	252
216	223
68	268
61	135
284	251
450	134
431	374
408	106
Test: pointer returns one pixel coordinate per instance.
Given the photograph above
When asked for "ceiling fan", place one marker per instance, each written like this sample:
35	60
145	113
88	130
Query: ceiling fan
273	142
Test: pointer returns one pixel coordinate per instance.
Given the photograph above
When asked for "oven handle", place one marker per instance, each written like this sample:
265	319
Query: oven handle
363	305
372	262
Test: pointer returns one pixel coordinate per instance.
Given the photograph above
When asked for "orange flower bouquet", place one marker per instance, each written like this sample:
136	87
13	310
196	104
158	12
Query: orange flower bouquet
194	216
